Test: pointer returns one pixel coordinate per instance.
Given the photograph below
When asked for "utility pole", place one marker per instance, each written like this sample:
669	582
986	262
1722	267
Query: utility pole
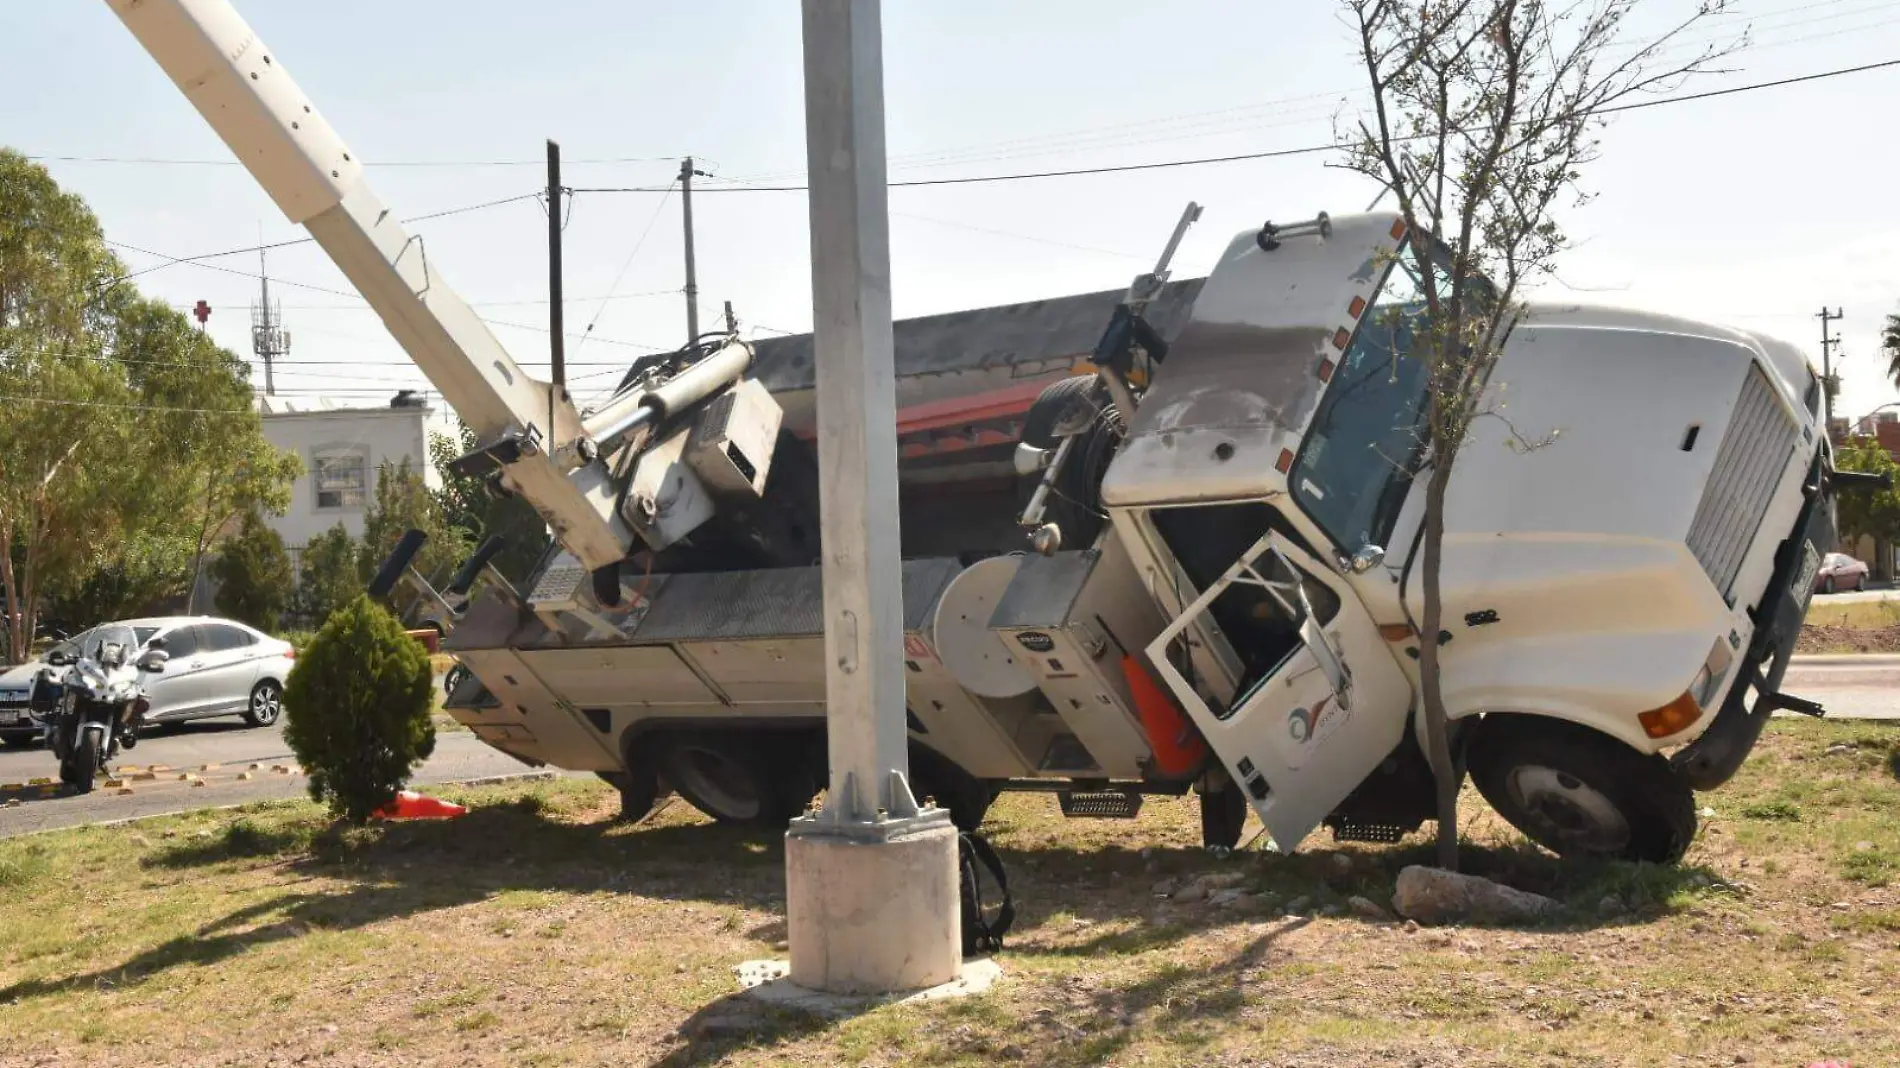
872	903
557	339
269	340
1828	341
692	275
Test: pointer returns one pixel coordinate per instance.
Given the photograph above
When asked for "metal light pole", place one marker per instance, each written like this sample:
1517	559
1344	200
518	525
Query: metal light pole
871	880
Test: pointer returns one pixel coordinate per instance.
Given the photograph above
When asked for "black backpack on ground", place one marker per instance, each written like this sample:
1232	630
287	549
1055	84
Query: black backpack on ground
981	935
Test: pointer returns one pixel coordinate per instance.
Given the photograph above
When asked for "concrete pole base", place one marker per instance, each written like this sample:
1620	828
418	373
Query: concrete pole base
873	908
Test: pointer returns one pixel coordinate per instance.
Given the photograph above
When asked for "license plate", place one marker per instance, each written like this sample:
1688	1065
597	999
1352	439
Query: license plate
1804	577
12	717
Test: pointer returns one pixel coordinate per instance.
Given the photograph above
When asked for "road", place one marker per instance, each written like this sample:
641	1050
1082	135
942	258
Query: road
1849	687
1823	599
220	755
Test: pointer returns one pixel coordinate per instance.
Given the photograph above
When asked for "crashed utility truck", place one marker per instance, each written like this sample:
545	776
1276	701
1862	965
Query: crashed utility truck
1188	567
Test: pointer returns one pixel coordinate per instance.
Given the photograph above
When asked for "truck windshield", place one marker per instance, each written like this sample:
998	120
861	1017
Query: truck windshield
1367	437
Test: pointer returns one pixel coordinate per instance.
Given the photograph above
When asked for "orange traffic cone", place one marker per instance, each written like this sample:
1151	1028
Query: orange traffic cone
413	806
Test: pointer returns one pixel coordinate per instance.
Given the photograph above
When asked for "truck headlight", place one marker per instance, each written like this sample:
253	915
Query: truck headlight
1703	688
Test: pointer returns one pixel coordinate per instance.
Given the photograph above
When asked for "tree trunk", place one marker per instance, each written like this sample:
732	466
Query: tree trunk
198	558
1437	731
16	645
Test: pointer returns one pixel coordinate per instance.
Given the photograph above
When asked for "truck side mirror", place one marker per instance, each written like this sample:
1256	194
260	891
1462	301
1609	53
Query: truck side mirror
1367	558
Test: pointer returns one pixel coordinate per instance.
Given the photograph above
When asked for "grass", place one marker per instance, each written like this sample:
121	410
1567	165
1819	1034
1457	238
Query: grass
536	930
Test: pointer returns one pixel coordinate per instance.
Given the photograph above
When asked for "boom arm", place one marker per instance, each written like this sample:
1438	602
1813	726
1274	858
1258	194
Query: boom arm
243	91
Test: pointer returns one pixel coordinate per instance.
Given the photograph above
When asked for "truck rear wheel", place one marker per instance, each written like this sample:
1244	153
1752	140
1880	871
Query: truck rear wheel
1581	793
736	779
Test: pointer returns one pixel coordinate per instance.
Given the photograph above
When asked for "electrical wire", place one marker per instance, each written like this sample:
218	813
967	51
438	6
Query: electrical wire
628	262
1238	157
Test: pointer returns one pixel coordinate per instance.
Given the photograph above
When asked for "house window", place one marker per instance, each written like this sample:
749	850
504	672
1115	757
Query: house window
341	479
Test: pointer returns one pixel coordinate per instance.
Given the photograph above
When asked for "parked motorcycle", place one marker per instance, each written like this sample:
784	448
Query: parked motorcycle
99	701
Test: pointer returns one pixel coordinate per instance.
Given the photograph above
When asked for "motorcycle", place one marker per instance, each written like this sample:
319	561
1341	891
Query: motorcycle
99	702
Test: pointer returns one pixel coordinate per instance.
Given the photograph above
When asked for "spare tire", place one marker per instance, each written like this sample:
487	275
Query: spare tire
1075	500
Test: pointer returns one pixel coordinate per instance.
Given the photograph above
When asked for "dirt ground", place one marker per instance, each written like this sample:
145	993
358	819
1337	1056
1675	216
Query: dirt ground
536	931
1853	627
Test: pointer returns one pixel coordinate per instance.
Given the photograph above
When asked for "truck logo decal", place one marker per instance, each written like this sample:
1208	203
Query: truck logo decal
1303	724
1035	641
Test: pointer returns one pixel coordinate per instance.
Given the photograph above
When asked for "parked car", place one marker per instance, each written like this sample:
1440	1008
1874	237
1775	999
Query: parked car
217	667
1839	571
21	724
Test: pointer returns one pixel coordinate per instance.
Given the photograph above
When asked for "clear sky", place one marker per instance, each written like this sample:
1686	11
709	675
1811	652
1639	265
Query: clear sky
1753	209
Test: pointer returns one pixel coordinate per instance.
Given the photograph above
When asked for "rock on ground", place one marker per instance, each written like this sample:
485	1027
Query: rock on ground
1433	895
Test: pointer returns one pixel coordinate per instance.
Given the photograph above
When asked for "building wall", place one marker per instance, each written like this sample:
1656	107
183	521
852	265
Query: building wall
341	449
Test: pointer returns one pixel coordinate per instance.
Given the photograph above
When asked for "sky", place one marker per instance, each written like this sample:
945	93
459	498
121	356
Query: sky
1754	209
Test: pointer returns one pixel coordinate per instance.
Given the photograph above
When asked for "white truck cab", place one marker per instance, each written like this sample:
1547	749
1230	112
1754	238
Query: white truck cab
1629	539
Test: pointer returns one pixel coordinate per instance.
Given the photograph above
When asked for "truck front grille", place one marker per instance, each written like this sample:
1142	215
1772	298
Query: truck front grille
1761	436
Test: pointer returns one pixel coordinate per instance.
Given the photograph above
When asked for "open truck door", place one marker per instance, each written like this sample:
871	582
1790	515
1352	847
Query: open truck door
1321	702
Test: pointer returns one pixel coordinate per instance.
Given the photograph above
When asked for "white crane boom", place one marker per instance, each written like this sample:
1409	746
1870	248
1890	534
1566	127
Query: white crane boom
243	91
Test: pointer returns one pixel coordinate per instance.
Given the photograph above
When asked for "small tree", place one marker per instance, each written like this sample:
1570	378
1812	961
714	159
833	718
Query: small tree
1868	513
1890	344
329	580
403	503
253	573
357	709
1481	114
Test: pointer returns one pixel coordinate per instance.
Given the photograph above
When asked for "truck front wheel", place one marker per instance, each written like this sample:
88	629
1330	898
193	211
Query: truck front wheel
1581	793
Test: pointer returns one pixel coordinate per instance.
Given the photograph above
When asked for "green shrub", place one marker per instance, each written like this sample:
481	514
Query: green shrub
357	709
329	580
253	573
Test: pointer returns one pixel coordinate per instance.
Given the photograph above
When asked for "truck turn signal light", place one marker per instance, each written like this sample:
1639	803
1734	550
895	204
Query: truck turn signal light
1672	718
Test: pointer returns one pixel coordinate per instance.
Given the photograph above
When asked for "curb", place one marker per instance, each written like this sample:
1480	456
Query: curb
487	780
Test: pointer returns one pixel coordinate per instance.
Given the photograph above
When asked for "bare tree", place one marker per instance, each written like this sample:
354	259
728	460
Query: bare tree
1482	114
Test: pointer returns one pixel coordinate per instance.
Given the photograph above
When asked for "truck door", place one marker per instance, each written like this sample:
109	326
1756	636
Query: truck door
1321	702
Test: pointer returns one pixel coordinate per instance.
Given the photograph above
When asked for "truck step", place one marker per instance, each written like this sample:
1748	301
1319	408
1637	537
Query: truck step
1100	804
1349	831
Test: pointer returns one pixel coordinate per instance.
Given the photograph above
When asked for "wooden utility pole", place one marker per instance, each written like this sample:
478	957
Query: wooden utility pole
692	275
1828	341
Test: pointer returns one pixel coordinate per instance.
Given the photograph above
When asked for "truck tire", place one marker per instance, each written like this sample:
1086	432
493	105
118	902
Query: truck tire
1223	817
739	779
1581	793
1075	506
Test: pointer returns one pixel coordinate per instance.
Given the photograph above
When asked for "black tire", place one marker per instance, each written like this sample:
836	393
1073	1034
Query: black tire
1223	817
82	767
266	704
966	797
1860	583
737	779
1580	793
1075	505
1827	584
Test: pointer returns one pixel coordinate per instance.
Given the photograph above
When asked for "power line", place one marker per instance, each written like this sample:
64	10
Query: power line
622	273
342	293
1239	157
172	162
123	407
311	240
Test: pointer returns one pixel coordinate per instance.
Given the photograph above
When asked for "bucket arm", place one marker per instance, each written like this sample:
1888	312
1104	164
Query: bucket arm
243	91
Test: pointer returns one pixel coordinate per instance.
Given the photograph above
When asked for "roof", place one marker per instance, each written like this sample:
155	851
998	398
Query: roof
275	404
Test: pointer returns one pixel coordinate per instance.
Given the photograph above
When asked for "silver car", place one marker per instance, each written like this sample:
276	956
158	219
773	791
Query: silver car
218	667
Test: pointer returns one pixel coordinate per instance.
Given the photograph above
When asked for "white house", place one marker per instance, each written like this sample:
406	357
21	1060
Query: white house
342	445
